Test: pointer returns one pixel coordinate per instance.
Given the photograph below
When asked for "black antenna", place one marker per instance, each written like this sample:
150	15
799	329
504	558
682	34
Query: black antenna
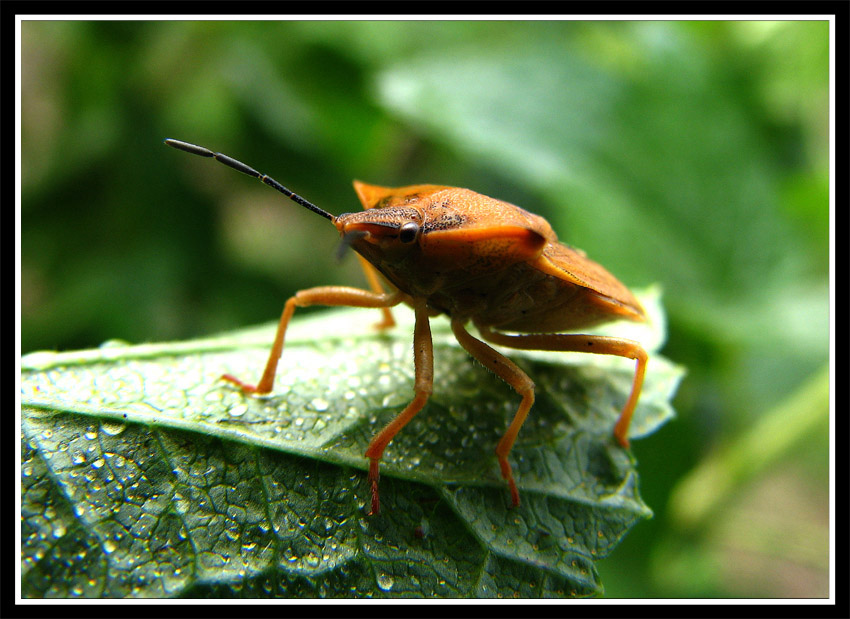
246	169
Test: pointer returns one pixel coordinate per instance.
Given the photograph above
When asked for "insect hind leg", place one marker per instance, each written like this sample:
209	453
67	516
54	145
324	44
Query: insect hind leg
598	344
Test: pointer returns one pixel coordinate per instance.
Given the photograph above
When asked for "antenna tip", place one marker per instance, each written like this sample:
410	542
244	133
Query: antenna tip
189	148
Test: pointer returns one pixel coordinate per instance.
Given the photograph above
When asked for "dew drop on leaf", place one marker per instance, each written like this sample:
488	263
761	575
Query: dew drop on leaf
385	581
237	411
113	429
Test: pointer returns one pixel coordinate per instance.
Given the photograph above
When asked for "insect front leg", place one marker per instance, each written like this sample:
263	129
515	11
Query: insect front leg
323	295
598	344
423	360
509	372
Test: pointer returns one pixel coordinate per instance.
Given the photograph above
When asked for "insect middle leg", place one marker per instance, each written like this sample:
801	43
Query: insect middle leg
323	295
597	344
423	360
509	372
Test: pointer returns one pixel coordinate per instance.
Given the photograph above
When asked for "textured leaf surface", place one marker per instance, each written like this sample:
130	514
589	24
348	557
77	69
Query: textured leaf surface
145	476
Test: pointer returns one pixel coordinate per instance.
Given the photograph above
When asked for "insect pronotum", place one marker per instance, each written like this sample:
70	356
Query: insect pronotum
445	250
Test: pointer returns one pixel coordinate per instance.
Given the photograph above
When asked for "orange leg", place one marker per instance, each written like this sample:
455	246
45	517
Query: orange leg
375	284
597	344
323	295
509	372
423	359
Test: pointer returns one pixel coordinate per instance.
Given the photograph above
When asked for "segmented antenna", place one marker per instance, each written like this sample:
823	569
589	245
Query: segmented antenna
246	169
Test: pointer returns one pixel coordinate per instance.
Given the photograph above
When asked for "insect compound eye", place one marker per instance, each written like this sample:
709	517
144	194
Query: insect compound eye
408	232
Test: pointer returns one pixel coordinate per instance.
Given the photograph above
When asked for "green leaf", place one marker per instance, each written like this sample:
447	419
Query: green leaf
145	476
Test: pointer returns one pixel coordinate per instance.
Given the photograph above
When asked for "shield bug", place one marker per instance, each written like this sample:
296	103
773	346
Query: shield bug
445	250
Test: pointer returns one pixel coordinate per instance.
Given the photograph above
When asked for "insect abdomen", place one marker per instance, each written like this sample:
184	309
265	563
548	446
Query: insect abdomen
524	299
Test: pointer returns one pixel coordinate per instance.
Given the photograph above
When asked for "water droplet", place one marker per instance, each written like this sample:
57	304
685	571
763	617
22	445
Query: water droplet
385	581
352	412
98	463
112	429
238	411
320	404
78	457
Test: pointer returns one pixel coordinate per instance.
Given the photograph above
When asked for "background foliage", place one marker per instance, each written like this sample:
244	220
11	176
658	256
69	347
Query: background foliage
694	154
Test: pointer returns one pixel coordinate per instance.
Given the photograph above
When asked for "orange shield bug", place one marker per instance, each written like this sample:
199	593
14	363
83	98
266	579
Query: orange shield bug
445	250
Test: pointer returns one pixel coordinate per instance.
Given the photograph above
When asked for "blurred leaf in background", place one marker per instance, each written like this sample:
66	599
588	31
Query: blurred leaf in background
694	154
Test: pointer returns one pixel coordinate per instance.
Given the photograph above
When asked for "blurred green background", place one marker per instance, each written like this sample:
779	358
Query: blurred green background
693	154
